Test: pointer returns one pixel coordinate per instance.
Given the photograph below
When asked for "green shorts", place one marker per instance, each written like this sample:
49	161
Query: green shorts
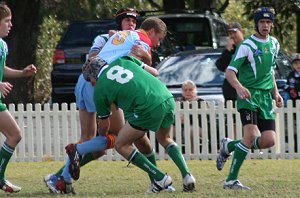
160	117
2	106
261	102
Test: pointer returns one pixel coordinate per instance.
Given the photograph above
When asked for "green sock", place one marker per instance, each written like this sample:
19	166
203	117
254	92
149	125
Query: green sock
255	144
143	163
239	156
152	158
231	145
59	172
175	153
86	159
5	154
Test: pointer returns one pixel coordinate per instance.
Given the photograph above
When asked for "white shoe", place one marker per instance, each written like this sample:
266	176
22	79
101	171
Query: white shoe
235	185
163	184
223	154
169	188
189	183
8	187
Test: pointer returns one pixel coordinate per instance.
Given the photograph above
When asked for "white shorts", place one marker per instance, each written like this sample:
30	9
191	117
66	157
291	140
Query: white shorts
84	92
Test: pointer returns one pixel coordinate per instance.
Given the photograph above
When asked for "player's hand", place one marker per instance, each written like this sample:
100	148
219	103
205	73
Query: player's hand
5	88
243	93
278	100
111	32
230	44
29	70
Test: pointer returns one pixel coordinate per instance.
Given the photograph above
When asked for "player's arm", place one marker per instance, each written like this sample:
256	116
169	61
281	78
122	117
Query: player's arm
277	97
103	111
242	92
97	46
140	52
29	70
150	69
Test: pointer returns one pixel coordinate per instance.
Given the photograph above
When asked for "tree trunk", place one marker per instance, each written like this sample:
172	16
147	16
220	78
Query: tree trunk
21	47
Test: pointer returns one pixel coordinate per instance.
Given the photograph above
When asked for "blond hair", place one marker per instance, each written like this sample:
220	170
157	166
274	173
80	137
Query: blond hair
4	10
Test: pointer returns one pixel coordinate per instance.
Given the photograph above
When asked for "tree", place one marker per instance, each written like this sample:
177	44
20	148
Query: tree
284	25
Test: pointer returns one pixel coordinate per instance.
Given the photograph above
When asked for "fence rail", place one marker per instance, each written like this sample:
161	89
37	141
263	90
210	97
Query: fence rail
47	129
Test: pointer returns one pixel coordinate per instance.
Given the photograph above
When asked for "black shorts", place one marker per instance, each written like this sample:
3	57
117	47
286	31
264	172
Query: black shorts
250	117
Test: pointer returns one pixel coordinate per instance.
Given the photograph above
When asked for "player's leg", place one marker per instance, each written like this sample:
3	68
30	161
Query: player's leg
12	132
126	137
174	151
249	121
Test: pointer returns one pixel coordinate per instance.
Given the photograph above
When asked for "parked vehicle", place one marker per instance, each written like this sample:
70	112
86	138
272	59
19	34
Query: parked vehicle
190	30
184	30
199	66
70	54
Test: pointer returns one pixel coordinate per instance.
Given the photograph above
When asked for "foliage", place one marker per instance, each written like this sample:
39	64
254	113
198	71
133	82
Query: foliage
51	30
267	178
284	26
52	26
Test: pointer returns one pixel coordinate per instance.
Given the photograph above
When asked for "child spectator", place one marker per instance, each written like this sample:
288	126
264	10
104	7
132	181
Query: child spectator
293	80
189	93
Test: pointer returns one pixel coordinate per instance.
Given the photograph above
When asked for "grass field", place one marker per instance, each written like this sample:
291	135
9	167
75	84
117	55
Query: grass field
267	178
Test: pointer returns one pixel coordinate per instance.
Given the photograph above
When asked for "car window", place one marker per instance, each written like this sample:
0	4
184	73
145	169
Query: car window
199	68
220	31
83	34
190	32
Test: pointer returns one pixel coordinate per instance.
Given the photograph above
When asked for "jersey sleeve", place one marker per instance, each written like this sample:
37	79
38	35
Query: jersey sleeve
239	57
98	43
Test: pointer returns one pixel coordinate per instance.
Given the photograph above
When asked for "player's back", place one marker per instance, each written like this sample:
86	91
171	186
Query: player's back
120	44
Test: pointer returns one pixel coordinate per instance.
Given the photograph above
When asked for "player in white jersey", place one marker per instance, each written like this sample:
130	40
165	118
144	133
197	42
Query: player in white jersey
256	87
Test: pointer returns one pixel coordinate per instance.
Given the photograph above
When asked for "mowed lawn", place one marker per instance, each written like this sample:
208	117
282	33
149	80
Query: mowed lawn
267	178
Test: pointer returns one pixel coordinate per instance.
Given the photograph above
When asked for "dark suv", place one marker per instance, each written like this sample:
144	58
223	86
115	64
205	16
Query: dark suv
70	54
190	30
187	30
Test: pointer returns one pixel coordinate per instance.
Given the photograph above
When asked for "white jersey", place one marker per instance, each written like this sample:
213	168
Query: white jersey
98	43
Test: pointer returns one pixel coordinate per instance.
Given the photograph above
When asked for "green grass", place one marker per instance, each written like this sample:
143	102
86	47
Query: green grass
267	178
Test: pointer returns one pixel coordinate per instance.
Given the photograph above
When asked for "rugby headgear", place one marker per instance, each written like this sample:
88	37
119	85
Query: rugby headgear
92	67
124	13
263	13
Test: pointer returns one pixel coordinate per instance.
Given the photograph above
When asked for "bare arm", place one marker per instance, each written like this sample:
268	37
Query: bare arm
241	91
14	73
277	97
151	70
139	52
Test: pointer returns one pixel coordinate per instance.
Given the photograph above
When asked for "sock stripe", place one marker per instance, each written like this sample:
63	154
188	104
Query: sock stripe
132	155
242	147
171	145
150	154
8	148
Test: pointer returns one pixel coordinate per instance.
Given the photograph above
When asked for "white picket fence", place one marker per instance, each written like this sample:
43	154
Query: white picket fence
46	130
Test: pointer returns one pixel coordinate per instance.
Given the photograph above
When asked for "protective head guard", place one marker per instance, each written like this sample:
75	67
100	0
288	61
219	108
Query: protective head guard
124	13
263	13
92	67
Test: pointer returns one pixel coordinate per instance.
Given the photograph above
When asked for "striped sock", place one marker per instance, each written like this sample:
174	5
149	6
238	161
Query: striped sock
239	156
5	154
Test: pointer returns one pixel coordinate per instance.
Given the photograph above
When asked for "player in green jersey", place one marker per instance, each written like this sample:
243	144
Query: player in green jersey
8	125
254	60
147	105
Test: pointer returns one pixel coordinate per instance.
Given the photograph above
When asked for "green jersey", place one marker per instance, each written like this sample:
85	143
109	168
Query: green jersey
3	54
125	83
255	60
